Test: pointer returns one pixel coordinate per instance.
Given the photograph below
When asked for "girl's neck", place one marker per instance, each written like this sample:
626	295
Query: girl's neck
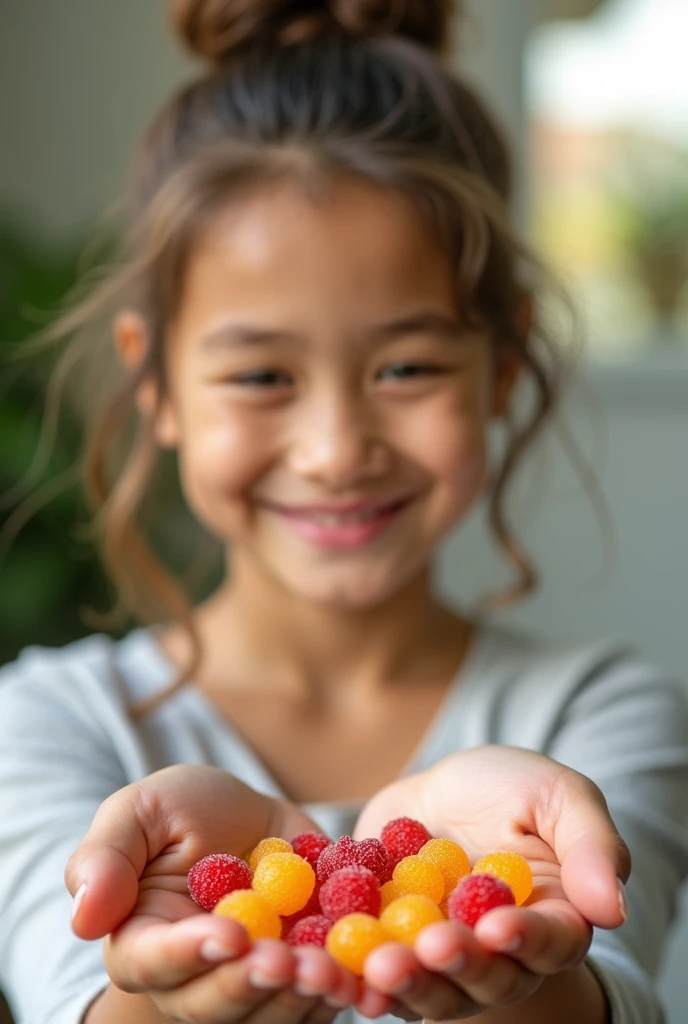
258	636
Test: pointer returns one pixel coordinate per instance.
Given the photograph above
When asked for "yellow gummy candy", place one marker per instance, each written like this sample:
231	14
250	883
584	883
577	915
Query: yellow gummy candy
285	880
266	846
450	858
352	938
415	875
512	868
258	917
406	917
388	893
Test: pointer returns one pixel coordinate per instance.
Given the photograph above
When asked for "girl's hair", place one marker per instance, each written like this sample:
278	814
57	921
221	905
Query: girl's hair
304	91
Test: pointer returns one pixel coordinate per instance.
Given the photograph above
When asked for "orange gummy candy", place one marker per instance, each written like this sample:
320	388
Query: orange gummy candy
450	858
285	880
407	916
419	876
512	868
259	918
266	846
352	938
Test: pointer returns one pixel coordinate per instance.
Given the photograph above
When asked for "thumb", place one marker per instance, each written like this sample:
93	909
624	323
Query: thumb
595	861
103	872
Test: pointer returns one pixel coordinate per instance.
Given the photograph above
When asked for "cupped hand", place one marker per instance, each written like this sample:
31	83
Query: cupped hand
498	798
134	863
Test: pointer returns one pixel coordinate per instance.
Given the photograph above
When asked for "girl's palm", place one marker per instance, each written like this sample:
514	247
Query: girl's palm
490	799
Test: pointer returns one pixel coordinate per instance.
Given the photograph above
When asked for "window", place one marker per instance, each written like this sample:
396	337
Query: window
608	109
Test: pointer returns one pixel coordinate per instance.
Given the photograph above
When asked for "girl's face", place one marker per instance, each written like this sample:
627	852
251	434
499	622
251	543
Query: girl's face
329	410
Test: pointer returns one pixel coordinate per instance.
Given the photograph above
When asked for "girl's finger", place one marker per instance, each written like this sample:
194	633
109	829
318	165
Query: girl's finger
145	956
232	992
394	970
545	941
485	977
317	977
103	872
595	861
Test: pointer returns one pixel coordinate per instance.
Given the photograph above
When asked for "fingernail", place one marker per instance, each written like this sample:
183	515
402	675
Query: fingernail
78	899
334	1003
455	965
623	905
513	946
260	980
404	986
306	991
215	952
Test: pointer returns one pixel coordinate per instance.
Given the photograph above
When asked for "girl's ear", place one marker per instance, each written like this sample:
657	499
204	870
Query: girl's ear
509	361
131	342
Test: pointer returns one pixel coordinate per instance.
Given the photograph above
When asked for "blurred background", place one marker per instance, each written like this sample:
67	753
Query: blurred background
594	95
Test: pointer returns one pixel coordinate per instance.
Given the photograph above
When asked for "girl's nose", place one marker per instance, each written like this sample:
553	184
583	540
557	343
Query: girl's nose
336	445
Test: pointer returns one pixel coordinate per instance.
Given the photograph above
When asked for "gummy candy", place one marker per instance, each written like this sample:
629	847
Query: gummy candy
266	846
258	917
310	845
369	853
285	880
475	895
512	868
415	875
450	858
310	931
406	917
215	876
352	938
403	837
350	890
388	892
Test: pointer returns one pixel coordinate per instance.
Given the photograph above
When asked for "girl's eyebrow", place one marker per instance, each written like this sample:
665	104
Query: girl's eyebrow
244	335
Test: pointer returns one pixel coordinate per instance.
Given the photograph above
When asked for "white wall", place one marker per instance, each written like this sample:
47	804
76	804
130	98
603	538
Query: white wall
84	78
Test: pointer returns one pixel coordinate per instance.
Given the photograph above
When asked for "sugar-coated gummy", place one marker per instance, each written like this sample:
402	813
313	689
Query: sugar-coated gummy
415	875
407	916
475	895
450	858
403	837
285	880
266	846
216	876
512	868
352	938
258	917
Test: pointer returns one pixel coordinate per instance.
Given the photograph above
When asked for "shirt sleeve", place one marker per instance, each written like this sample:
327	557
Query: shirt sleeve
626	728
58	762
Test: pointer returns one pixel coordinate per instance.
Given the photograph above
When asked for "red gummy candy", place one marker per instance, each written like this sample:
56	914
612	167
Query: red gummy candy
350	890
369	853
475	895
311	931
403	837
310	845
312	909
216	876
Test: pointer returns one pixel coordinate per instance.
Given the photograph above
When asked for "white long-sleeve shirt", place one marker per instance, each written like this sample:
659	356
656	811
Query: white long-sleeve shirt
67	742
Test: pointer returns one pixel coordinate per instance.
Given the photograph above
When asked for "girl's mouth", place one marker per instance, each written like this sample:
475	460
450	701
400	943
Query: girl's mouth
348	529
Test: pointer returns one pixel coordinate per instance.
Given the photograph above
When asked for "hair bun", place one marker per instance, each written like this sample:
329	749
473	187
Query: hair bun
212	29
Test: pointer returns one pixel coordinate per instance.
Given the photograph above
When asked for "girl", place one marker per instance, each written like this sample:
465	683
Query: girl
324	312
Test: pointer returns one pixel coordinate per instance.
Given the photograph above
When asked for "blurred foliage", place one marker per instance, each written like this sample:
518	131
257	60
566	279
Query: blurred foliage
47	574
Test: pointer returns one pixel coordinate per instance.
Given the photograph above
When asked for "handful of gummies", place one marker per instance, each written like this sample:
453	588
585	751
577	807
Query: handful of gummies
351	896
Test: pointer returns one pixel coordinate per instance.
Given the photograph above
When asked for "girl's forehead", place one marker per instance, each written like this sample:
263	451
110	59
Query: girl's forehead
358	235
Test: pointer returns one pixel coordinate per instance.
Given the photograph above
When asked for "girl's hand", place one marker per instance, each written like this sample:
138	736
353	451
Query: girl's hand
196	966
500	798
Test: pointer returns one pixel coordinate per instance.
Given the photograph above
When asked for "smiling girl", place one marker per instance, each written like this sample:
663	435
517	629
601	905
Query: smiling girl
323	313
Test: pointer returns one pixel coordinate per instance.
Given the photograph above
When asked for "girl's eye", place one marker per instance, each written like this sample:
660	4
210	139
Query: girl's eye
261	379
406	371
